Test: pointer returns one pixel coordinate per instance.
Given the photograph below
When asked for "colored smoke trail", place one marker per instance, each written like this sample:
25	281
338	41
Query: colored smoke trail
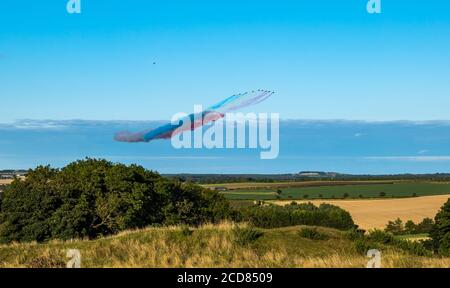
194	121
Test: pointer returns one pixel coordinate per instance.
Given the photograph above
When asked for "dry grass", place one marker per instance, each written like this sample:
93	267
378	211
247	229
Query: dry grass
375	213
207	246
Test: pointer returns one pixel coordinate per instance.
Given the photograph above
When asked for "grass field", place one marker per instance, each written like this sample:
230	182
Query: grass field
361	190
375	213
208	246
276	185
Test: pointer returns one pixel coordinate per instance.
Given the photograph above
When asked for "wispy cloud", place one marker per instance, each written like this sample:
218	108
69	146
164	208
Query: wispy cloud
410	158
34	125
118	158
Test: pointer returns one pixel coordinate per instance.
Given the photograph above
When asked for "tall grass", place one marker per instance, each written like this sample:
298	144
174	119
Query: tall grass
207	246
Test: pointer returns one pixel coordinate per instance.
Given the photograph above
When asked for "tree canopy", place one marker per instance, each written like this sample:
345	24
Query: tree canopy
91	197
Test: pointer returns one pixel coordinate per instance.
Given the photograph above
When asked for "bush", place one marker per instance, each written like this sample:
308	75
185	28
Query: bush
245	236
272	216
90	198
312	233
379	236
362	246
185	231
354	234
377	239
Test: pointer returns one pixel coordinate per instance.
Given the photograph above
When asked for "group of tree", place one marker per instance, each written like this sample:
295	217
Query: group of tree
271	216
91	198
397	227
438	230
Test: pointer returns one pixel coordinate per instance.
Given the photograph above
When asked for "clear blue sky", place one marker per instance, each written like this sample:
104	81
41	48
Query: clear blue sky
326	59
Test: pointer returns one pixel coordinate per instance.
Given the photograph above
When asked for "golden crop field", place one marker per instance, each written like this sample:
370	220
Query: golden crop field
5	181
375	213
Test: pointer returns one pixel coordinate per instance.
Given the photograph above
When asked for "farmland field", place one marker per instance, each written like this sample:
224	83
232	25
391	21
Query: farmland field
375	213
276	185
5	181
391	190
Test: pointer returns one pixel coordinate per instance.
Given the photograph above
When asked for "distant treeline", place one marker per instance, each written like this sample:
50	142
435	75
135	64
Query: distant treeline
322	176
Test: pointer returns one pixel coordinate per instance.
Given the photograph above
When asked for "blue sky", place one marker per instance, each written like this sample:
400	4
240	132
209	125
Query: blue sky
326	59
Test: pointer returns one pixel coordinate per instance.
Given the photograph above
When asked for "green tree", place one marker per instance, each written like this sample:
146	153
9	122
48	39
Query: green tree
440	233
425	226
395	227
93	197
410	227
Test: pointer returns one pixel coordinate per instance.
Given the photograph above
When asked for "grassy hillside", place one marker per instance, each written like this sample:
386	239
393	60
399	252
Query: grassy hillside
208	246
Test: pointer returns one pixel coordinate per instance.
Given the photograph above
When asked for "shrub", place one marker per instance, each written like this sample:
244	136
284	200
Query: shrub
362	246
185	231
312	233
376	239
245	235
354	234
380	236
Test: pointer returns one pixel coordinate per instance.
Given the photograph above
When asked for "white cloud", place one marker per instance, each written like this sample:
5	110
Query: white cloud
411	158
